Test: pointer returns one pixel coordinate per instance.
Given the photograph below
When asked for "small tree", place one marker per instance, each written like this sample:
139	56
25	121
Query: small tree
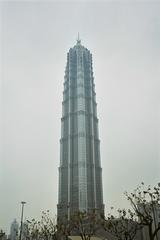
2	234
45	229
84	224
145	202
123	227
64	228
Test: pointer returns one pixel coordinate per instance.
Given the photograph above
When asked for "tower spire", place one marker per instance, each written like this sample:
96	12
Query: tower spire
78	40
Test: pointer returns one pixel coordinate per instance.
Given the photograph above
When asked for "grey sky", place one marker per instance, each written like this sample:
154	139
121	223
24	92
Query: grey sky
124	37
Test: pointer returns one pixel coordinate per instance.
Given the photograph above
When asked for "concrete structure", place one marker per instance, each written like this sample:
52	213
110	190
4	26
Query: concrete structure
80	173
153	211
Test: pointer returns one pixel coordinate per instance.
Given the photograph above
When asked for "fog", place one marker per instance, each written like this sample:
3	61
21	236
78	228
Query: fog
124	37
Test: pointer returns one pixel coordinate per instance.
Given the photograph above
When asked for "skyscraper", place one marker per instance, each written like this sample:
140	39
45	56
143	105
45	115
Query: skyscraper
14	230
80	172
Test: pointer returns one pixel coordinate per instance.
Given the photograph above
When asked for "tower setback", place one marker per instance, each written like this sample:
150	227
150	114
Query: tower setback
80	172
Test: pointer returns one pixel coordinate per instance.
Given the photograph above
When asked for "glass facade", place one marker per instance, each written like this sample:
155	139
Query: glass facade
80	173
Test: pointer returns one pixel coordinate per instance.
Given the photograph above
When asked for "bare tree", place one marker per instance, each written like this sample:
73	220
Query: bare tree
145	202
45	229
2	234
84	224
122	227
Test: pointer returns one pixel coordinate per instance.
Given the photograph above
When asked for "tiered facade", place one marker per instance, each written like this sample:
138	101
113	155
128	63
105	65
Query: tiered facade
80	172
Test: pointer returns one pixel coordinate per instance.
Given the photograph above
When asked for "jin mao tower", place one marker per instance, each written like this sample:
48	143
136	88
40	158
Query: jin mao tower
80	172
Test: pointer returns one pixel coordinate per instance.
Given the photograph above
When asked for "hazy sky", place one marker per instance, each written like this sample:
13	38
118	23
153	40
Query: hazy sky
124	37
